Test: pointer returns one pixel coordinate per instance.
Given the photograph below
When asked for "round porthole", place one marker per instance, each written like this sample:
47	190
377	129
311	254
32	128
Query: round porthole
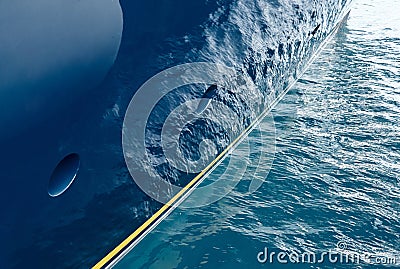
64	174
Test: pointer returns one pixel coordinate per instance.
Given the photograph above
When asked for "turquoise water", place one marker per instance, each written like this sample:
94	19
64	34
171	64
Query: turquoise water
334	184
267	43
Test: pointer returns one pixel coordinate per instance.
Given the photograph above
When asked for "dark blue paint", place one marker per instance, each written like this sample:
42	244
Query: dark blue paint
64	175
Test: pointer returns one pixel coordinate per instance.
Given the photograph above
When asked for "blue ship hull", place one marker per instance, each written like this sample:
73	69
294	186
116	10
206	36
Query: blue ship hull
63	113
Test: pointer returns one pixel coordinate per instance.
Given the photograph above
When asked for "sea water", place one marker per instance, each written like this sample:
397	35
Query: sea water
331	197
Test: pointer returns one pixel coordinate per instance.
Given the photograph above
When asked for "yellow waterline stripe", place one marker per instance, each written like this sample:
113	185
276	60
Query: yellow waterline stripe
114	253
144	226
